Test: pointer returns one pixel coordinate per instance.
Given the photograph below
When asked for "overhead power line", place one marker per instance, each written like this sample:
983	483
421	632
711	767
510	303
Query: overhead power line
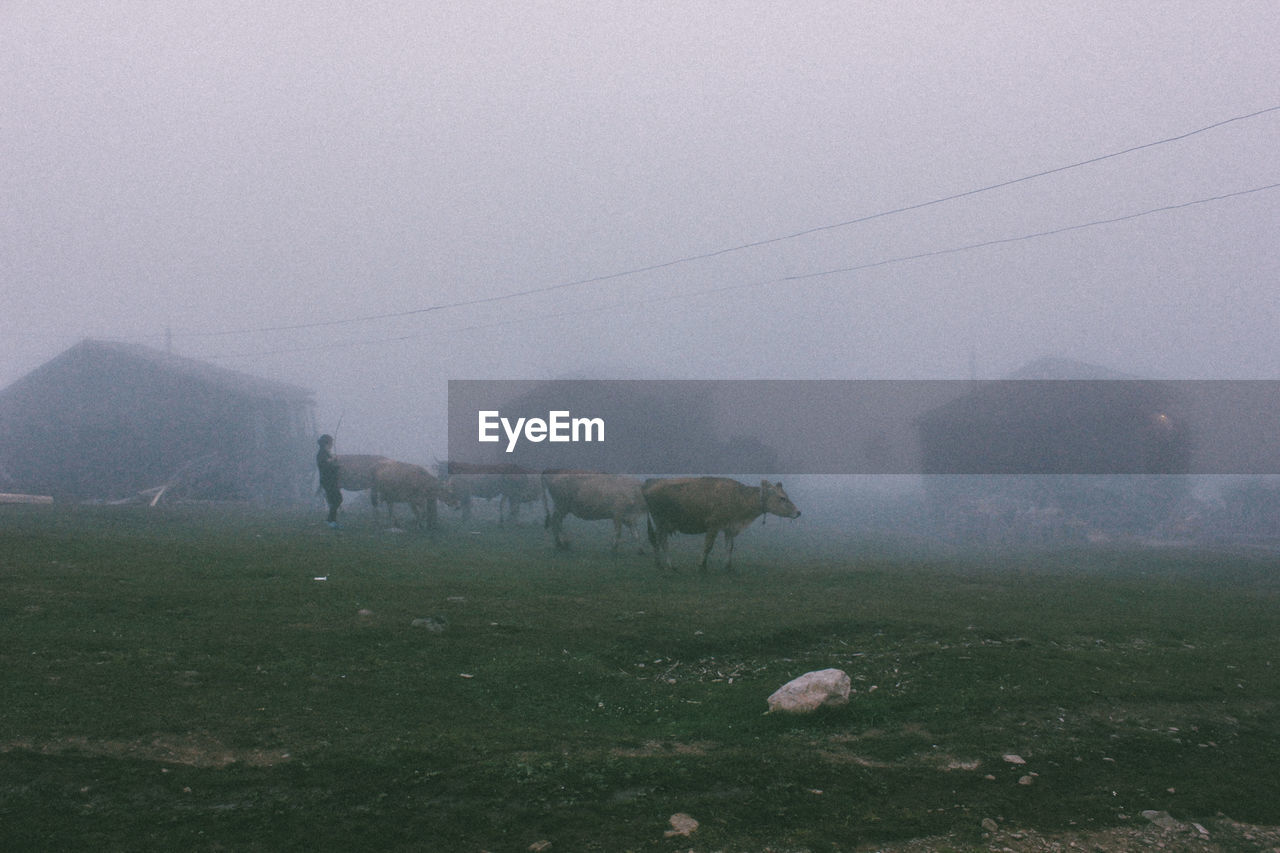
968	247
1034	236
534	291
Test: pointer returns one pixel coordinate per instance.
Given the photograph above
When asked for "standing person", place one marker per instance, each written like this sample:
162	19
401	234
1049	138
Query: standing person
327	463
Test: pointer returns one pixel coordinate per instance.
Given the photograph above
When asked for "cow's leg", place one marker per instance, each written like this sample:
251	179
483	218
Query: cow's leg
653	540
430	510
617	534
728	545
417	514
661	554
557	529
709	542
666	551
635	534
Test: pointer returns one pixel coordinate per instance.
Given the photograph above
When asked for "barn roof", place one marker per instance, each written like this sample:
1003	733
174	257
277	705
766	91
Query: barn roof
1057	417
1046	384
1043	383
204	373
1066	368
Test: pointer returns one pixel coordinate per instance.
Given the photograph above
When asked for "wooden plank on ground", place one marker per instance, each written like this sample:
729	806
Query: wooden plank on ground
24	499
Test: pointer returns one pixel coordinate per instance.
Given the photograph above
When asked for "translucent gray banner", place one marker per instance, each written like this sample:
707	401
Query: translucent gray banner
773	427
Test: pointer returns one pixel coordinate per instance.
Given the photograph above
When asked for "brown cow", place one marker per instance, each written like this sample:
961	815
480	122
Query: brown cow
355	470
401	482
708	505
511	484
592	496
354	474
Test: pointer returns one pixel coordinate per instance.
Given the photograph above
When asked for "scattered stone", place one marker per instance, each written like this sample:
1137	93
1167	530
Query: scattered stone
989	825
1133	837
434	624
1026	780
539	846
1014	759
811	691
681	825
364	611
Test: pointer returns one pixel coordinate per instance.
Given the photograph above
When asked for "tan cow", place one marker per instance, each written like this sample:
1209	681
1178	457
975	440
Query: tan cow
708	505
520	487
402	482
513	485
355	474
355	470
592	496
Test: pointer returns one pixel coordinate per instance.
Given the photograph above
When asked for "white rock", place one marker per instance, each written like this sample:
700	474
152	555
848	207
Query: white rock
681	824
811	691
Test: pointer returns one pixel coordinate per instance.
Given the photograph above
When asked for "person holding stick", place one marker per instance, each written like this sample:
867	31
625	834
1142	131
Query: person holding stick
327	464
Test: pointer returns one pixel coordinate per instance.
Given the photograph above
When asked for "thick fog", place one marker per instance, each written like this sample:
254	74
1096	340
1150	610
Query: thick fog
370	200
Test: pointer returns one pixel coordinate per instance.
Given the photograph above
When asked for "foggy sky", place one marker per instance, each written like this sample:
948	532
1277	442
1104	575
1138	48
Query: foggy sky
221	169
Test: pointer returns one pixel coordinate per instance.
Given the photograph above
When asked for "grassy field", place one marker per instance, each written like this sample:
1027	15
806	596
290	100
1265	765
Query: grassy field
199	678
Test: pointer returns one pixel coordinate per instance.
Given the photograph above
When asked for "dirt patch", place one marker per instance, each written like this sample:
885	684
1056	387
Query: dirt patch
839	749
187	749
938	761
653	748
834	757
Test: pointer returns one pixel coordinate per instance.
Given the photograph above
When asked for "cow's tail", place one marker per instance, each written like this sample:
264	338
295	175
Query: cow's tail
653	531
373	495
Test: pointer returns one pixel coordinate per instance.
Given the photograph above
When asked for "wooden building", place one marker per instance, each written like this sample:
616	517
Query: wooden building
1060	450
109	420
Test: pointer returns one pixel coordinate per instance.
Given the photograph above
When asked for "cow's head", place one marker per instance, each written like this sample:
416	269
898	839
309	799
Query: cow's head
774	500
448	493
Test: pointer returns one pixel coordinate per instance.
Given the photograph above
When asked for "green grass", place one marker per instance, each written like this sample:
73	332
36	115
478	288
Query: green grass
178	679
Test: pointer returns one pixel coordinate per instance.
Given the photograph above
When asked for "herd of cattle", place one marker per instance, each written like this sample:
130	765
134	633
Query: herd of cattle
705	505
